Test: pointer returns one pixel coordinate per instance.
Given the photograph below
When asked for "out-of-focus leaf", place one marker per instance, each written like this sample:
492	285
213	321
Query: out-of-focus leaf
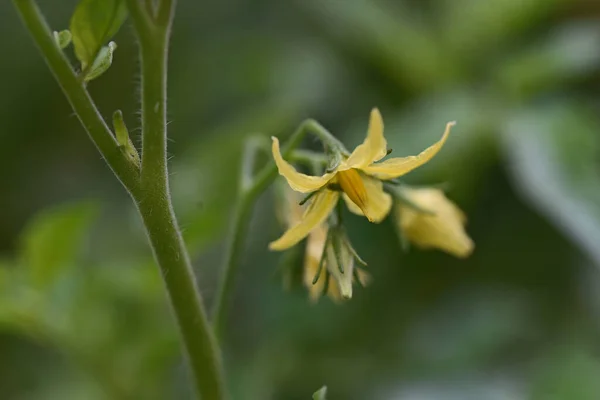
467	330
568	53
477	27
470	386
393	38
3	275
553	154
52	240
93	23
320	394
567	373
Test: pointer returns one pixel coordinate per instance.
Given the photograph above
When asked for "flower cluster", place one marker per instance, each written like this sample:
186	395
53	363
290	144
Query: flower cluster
368	185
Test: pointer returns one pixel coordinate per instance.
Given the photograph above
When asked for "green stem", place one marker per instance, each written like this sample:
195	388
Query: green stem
156	208
249	192
150	190
77	95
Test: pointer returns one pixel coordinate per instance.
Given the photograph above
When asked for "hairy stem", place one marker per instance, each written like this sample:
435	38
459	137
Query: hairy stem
156	208
150	190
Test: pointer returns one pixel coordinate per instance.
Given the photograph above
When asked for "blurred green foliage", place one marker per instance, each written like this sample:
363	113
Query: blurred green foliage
82	310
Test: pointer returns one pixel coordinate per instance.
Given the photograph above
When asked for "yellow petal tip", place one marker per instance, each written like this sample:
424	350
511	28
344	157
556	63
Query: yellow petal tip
274	246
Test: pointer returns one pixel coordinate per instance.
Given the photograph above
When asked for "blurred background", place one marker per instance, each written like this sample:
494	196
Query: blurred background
83	314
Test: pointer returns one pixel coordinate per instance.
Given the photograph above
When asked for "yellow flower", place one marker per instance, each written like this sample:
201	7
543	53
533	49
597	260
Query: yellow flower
359	177
341	285
443	228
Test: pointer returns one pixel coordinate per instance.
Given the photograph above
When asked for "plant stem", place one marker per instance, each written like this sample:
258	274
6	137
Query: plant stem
250	189
156	208
78	96
150	190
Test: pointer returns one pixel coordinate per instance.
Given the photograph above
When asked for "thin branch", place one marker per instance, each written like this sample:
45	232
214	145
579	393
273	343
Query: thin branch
241	218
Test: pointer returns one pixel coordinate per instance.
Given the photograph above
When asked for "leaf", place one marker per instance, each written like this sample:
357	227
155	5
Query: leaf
320	394
568	371
553	154
396	40
93	24
477	28
568	53
51	241
102	62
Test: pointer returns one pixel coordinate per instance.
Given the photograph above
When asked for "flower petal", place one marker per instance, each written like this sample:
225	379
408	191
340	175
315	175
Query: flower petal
297	181
312	258
378	202
443	230
318	210
374	147
395	167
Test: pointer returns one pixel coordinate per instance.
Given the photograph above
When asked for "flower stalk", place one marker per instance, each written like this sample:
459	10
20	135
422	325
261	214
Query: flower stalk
251	186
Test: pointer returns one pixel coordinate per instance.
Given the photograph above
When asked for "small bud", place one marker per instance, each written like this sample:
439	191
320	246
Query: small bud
102	62
62	38
123	139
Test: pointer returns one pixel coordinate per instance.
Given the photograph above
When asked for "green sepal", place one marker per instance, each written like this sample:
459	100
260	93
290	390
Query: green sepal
322	260
336	244
353	251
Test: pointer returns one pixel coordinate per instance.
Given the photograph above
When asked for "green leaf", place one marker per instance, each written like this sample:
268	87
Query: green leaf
320	394
51	241
93	24
569	371
474	27
3	276
394	39
102	62
553	160
568	53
